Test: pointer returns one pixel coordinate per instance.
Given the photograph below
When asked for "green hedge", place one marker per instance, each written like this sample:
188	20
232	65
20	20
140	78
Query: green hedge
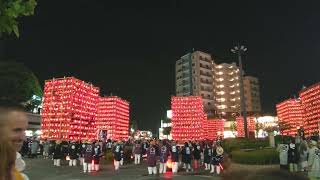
261	156
233	144
282	139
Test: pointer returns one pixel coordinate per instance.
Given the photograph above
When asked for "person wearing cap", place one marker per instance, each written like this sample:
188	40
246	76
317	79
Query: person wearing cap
57	154
293	157
164	154
88	157
73	153
152	159
117	155
217	159
174	157
314	161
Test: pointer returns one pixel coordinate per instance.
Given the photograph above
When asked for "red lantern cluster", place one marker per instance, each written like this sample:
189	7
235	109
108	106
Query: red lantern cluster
187	118
310	100
240	126
113	117
290	114
213	128
69	109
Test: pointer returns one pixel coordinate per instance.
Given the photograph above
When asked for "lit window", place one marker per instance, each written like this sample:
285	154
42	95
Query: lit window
221	93
220	86
219	67
220	73
221	99
230	67
231	79
234	99
220	79
233	92
237	84
231	73
222	107
232	86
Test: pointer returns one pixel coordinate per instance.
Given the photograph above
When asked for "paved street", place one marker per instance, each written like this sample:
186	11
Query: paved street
39	169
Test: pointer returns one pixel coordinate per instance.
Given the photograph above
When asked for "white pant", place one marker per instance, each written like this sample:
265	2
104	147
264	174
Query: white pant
152	170
56	162
175	167
72	162
188	167
87	167
207	166
81	161
121	162
95	167
215	167
137	158
116	164
163	168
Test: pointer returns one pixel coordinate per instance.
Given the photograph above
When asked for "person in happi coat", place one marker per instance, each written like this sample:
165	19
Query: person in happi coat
152	159
73	153
174	151
186	156
137	150
293	157
283	155
207	156
82	150
88	157
196	155
163	156
117	149
96	156
57	154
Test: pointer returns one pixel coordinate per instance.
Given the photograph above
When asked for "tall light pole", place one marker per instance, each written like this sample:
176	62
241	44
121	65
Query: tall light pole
239	50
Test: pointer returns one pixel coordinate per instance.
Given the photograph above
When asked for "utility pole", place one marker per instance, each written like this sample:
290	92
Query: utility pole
239	50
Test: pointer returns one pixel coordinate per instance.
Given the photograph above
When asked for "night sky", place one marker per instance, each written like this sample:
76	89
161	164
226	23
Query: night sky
129	49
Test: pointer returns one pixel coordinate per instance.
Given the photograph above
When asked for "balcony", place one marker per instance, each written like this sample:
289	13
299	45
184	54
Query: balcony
205	74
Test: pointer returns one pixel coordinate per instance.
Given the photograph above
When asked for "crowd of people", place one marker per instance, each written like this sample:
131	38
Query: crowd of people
300	154
191	155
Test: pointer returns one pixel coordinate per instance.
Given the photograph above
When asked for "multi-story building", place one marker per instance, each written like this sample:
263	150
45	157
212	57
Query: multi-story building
252	94
226	90
194	78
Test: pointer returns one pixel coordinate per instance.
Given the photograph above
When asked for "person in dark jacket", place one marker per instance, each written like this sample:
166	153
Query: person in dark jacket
137	152
196	155
174	157
163	156
88	157
293	157
186	156
82	150
145	146
207	156
57	154
97	156
152	159
117	155
73	154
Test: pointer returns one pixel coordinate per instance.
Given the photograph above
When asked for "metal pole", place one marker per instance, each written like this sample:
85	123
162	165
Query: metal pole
242	98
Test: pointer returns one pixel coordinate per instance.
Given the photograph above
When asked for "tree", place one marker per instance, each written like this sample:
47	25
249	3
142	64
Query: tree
18	85
11	10
166	131
233	127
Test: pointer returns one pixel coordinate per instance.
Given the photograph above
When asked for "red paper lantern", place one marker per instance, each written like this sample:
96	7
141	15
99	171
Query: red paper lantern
240	125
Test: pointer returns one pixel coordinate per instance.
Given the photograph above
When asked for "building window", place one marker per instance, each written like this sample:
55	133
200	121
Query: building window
200	57
193	64
209	104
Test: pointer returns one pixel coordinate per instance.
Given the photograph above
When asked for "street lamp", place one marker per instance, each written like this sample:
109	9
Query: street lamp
239	50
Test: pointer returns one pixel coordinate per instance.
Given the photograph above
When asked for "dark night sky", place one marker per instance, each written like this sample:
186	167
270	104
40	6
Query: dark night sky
130	49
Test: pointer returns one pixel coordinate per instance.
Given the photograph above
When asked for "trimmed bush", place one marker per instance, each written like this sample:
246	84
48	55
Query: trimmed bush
282	139
260	156
233	144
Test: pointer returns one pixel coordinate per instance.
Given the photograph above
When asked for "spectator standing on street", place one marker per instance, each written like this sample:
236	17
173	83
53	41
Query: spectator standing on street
46	148
57	153
186	156
73	154
88	157
303	160
13	123
197	155
207	156
97	156
283	156
314	161
34	148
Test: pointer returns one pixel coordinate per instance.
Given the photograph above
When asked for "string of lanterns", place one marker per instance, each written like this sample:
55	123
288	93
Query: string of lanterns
240	125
